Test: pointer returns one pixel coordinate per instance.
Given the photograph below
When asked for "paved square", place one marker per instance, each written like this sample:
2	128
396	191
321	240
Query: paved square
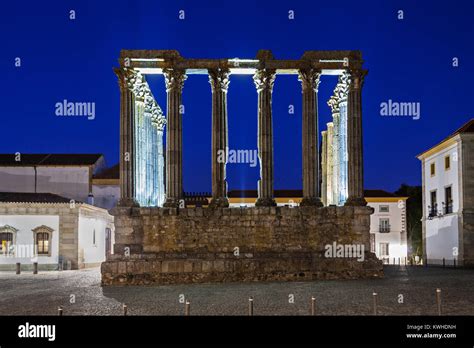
29	294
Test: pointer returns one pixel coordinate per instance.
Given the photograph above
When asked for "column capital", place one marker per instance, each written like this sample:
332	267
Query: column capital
310	78
128	78
174	78
356	78
264	79
219	79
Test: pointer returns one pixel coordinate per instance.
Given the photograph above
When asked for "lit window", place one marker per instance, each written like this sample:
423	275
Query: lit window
447	162
6	240
42	243
42	237
432	169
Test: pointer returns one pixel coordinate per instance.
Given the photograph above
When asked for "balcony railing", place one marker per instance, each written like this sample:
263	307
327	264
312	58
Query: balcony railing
448	208
384	228
432	211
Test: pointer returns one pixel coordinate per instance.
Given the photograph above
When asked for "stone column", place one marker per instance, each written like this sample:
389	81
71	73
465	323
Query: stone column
174	79
354	139
127	78
219	80
330	164
324	169
264	80
310	81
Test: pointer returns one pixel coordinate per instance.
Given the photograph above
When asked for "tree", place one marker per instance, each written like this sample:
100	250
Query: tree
414	213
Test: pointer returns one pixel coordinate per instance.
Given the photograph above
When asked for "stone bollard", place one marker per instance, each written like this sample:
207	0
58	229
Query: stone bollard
438	300
60	311
374	295
35	268
187	308
250	306
125	309
454	262
313	305
18	268
444	262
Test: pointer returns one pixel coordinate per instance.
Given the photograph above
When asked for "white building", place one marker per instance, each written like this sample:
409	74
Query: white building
52	231
448	199
388	229
388	232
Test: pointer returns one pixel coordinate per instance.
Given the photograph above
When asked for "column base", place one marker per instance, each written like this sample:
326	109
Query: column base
356	201
172	203
265	202
219	202
311	201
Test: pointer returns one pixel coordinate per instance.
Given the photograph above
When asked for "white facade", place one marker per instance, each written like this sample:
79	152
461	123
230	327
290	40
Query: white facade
441	225
388	232
79	235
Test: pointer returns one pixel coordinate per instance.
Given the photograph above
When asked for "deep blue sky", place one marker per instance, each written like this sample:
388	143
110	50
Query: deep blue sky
409	60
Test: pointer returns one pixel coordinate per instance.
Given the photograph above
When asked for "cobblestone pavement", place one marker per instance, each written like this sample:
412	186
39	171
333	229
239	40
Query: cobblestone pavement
41	294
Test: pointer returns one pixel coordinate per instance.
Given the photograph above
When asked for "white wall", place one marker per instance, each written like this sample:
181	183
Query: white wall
88	251
24	237
70	182
443	177
397	237
441	236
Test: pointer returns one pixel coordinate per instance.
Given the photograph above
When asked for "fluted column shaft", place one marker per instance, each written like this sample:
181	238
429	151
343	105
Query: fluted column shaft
354	139
126	79
310	81
219	80
174	79
264	80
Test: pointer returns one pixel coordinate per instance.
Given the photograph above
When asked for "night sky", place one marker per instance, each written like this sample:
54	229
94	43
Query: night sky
409	60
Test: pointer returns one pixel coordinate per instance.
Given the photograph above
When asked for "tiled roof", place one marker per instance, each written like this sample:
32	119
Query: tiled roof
49	159
31	197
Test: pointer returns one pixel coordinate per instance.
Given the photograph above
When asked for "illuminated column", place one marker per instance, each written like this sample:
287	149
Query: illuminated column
354	139
310	81
127	79
159	122
174	79
330	163
343	91
324	167
219	80
264	80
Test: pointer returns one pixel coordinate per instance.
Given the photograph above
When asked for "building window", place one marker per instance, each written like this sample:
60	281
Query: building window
383	209
7	239
384	225
432	169
447	162
372	242
433	207
42	243
43	236
93	238
448	200
384	249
